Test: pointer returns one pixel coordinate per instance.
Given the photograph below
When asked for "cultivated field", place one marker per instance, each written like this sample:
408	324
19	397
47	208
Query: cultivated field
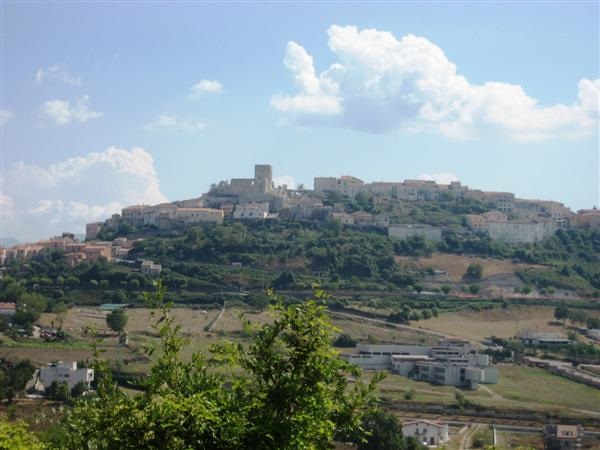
503	323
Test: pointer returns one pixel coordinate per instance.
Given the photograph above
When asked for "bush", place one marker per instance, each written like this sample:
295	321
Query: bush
344	340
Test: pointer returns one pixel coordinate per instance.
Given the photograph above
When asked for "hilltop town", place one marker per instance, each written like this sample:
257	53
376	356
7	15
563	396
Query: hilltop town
441	286
503	216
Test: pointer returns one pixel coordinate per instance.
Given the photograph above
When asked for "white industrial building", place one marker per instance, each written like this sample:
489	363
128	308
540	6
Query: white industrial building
450	363
65	373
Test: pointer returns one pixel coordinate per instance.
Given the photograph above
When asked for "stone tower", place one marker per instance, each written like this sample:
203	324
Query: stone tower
263	177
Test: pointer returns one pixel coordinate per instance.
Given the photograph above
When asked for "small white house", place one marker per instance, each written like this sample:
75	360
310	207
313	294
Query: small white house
65	373
427	432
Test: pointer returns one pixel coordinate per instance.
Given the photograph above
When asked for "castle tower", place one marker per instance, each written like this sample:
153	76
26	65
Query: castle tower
263	177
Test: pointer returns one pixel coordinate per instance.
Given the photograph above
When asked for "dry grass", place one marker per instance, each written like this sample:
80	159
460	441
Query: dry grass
456	265
503	323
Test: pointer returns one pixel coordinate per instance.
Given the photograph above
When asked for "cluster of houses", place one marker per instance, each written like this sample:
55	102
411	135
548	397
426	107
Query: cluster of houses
258	198
450	363
74	250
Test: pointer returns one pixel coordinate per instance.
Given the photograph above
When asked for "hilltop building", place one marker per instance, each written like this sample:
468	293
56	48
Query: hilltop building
248	190
499	228
587	218
345	185
251	211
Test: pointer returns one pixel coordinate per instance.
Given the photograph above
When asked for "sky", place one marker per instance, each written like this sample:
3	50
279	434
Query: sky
108	104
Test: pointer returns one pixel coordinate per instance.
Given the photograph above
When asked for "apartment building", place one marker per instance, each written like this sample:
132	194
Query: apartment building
199	215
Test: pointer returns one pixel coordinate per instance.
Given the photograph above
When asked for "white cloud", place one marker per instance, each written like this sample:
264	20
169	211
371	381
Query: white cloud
41	201
5	116
205	87
380	83
61	112
439	178
318	94
165	122
288	180
56	73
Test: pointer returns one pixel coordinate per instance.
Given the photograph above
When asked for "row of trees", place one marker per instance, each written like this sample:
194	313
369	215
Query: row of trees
562	312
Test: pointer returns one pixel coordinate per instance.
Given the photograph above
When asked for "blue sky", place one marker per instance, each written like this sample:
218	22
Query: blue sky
99	108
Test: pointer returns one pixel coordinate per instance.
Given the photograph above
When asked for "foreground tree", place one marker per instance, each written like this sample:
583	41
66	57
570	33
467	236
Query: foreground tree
16	436
287	390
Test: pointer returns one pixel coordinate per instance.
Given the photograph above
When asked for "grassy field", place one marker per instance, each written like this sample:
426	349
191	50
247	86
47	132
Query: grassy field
502	323
519	387
456	265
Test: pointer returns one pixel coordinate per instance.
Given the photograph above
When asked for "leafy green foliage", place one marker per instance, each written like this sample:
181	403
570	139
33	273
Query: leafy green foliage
14	377
117	319
287	390
474	271
385	432
344	340
16	436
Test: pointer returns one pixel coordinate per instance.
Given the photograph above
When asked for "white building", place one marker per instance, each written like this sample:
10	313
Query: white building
520	231
450	363
426	432
345	185
199	215
405	231
251	211
65	373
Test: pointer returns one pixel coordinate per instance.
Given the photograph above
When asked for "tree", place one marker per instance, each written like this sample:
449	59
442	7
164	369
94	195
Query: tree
385	432
285	280
592	323
59	391
561	312
578	316
16	436
474	271
473	289
117	319
287	390
344	340
446	289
